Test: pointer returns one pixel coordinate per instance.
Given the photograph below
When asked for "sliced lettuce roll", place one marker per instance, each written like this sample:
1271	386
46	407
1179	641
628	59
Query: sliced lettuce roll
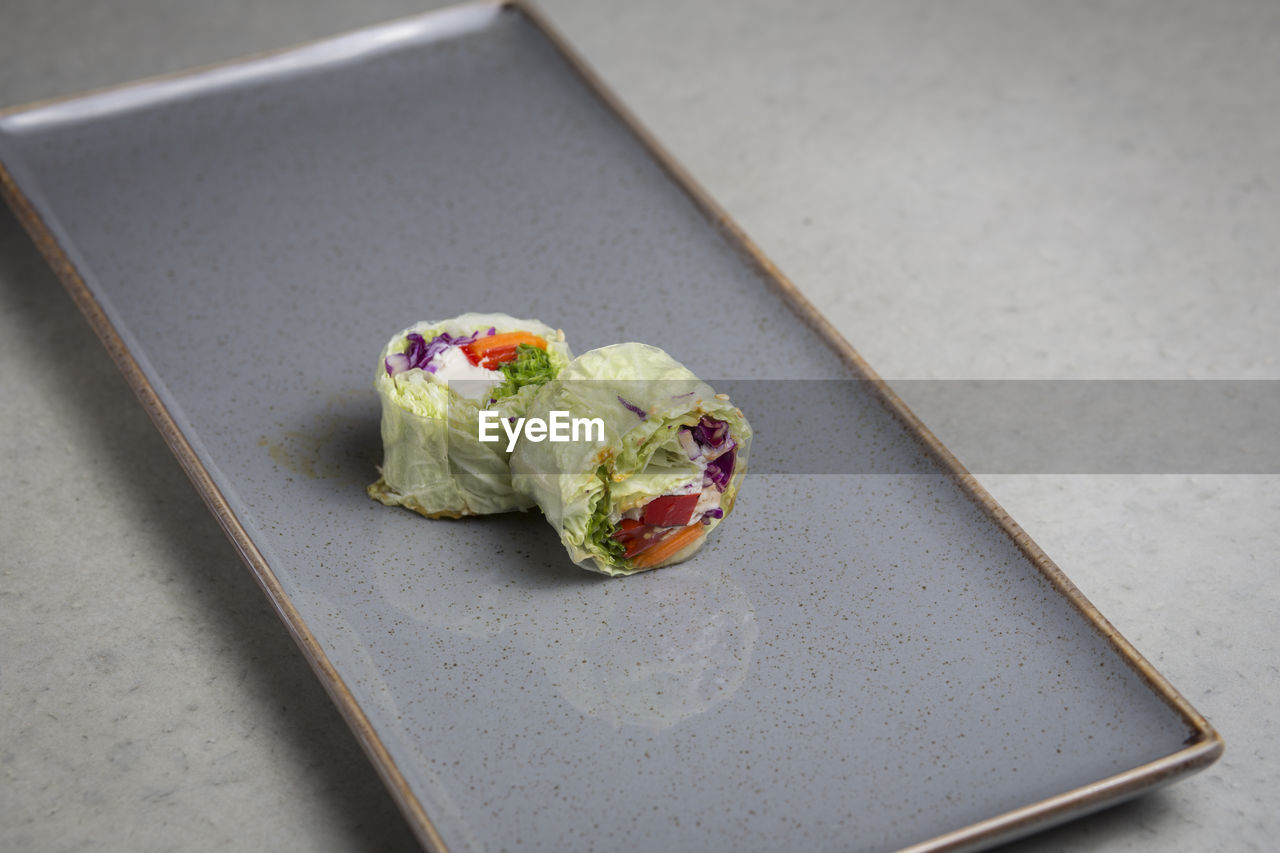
662	470
433	379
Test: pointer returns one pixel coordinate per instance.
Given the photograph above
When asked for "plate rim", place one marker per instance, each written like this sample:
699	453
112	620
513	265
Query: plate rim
1201	749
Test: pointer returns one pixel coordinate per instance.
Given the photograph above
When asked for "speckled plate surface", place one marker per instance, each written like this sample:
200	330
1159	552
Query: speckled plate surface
861	661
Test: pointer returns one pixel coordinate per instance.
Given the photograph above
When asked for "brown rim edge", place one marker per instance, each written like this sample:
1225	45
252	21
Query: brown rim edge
1205	746
337	689
1061	808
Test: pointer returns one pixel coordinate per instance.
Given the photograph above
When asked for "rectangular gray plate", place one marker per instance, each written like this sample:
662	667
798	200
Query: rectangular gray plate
855	662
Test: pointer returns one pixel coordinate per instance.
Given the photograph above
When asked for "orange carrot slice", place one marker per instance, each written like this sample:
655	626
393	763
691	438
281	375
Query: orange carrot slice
668	546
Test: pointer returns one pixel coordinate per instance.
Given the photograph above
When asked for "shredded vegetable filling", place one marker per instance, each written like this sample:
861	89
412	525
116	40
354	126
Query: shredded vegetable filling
664	525
479	362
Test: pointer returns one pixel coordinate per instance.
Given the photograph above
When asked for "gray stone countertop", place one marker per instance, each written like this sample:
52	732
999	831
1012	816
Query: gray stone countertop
995	190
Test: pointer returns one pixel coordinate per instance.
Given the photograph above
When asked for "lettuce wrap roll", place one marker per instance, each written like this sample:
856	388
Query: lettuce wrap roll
646	489
433	379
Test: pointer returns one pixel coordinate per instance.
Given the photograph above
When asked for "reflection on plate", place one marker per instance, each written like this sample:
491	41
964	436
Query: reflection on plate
685	649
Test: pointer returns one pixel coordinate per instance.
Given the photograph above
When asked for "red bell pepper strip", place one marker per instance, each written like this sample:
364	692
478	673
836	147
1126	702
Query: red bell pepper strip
488	351
671	510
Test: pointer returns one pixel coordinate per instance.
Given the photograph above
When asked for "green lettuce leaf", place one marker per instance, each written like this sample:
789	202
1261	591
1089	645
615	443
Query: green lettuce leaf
599	528
532	366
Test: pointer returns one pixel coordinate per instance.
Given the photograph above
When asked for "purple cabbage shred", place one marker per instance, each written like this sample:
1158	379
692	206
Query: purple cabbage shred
636	410
713	437
710	433
421	352
720	470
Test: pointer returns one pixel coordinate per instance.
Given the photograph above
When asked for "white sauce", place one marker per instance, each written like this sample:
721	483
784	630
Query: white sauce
464	378
710	500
